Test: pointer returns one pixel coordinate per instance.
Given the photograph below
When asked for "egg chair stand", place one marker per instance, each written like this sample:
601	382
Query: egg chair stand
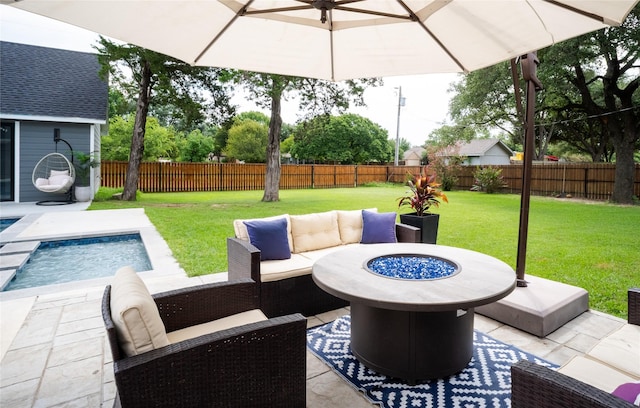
55	174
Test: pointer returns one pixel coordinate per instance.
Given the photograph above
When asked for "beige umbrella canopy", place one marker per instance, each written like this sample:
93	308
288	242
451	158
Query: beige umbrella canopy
338	39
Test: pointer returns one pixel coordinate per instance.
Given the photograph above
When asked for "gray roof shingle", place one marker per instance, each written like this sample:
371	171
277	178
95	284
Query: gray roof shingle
50	82
478	147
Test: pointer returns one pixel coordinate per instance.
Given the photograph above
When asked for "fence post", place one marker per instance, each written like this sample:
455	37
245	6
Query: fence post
586	182
313	175
355	175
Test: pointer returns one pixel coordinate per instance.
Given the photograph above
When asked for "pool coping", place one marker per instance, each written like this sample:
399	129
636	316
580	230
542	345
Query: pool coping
87	224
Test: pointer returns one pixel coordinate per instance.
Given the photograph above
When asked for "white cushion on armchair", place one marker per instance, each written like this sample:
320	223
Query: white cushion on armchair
135	314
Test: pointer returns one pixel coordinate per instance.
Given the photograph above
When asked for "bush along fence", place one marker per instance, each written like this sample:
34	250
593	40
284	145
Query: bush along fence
583	180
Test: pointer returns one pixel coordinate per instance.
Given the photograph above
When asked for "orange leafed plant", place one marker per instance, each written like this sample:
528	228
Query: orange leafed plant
424	193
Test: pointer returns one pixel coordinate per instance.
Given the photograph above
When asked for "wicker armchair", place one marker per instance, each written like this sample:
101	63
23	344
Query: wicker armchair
534	386
255	365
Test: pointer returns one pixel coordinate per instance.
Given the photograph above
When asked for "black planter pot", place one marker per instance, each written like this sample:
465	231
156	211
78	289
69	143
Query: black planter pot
427	223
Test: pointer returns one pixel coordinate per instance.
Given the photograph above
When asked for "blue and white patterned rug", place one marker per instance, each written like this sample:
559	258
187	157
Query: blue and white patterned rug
484	383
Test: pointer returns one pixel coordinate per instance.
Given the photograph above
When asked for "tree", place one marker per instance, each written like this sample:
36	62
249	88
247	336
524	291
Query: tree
347	139
119	104
590	100
159	141
449	135
404	146
196	147
316	96
483	100
162	81
602	67
248	141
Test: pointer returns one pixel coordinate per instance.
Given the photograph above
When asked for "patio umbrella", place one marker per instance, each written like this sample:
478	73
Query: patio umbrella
338	39
346	39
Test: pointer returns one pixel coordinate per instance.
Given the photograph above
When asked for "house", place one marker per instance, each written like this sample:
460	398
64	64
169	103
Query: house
483	152
45	91
413	156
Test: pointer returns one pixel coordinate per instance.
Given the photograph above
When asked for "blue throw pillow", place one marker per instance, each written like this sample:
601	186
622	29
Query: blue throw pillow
270	237
378	228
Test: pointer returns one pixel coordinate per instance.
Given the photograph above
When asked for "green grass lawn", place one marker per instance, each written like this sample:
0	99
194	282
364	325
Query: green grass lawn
594	246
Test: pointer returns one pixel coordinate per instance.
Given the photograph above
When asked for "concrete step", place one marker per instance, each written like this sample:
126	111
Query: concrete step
13	261
19	247
5	277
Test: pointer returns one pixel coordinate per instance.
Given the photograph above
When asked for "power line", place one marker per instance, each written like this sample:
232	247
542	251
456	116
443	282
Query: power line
589	117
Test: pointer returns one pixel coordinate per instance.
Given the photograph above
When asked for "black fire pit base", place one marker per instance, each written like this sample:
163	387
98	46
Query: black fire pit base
412	346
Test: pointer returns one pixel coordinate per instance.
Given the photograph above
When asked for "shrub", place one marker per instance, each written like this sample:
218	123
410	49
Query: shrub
447	163
488	179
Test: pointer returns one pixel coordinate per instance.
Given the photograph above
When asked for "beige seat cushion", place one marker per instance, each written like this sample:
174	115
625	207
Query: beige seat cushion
250	316
240	229
135	314
275	270
621	349
314	231
594	373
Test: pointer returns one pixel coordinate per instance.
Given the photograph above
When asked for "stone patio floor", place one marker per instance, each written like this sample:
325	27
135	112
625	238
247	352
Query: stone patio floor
54	351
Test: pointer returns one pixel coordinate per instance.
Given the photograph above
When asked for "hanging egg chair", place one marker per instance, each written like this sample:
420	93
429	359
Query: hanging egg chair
54	173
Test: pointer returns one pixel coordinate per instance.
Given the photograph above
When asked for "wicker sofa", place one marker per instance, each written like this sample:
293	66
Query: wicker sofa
234	359
286	286
534	386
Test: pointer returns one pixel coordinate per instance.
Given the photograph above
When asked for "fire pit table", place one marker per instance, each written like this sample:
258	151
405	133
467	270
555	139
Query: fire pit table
412	304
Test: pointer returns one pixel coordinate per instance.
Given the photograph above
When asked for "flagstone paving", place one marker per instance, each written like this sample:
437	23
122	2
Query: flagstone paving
59	356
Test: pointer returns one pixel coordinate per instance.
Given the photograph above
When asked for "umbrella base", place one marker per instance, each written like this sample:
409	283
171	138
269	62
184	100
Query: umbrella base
540	308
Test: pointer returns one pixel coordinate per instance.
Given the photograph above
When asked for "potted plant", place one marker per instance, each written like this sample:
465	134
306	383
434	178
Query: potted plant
83	163
423	194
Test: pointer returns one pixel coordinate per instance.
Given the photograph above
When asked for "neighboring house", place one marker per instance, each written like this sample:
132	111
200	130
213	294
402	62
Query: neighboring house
42	89
482	152
413	156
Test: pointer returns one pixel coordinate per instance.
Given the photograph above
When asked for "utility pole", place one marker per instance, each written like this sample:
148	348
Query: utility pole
401	102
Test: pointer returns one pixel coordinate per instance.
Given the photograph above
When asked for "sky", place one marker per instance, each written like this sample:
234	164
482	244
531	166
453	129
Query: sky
426	97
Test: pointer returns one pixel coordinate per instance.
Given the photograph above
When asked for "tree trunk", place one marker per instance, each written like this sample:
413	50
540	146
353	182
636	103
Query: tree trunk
623	130
624	143
272	179
137	140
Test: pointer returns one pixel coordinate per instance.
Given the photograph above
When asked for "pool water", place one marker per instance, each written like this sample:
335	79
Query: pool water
79	259
7	222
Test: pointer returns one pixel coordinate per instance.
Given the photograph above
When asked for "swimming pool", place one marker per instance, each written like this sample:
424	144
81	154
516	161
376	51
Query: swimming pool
7	222
79	259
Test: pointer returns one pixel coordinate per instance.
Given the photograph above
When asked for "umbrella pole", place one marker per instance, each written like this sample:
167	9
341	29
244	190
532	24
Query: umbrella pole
529	63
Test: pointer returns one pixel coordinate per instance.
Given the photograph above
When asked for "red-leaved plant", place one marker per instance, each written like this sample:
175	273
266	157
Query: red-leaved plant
424	193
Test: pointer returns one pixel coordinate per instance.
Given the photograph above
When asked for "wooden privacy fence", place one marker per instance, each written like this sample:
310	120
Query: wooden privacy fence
584	180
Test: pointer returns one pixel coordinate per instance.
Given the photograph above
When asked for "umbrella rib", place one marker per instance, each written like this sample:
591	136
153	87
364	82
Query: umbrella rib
239	13
576	10
415	18
411	16
274	10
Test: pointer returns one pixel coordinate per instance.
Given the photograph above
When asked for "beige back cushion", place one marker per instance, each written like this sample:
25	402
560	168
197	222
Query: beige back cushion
135	314
241	230
314	231
350	225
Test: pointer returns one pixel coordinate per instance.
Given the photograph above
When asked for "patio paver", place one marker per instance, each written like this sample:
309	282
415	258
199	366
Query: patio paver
59	355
